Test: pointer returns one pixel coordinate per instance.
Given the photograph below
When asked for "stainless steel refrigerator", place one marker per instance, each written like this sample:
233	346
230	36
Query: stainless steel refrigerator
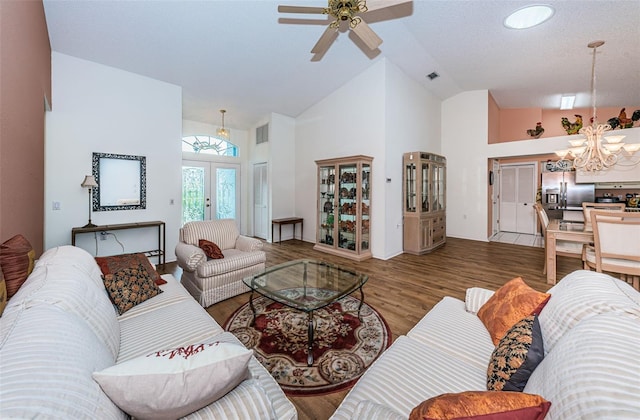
561	193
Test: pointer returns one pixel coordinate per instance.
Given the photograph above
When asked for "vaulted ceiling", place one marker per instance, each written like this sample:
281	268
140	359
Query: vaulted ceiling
246	57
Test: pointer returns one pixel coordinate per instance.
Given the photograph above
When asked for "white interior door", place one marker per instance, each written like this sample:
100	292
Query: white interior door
517	196
260	200
210	190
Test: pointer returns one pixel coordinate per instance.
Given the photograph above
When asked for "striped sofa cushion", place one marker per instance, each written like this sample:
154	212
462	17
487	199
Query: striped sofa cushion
47	361
69	288
583	294
408	373
453	330
593	371
223	232
233	260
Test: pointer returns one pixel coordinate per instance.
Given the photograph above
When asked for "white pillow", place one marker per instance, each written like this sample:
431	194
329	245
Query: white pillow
476	297
168	384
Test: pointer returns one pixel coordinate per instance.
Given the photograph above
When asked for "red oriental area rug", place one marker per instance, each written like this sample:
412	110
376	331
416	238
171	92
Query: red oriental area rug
343	347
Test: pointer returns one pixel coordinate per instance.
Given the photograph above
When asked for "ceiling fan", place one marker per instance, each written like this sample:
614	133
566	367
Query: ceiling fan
349	11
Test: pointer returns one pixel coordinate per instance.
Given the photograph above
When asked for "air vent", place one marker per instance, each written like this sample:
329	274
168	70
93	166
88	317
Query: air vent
262	134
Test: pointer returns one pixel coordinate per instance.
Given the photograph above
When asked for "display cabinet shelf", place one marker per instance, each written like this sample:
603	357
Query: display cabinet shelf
344	203
424	202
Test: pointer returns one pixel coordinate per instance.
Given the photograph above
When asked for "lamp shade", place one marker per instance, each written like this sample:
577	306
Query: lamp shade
89	182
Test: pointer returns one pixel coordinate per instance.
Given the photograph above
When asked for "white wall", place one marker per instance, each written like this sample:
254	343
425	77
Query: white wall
350	121
103	109
380	113
464	144
282	171
412	124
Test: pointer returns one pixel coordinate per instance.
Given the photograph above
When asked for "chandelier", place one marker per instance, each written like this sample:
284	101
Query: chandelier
596	152
223	133
218	144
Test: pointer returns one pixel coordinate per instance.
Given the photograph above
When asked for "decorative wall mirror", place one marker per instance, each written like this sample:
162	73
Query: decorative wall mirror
122	182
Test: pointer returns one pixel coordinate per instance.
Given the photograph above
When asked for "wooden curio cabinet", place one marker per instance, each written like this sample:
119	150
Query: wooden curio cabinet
344	206
424	192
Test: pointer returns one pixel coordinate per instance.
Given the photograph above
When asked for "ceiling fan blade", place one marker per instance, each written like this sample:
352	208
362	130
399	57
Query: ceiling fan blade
327	38
301	9
379	4
366	34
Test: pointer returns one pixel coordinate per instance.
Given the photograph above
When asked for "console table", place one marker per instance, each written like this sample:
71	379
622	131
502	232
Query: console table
157	252
287	221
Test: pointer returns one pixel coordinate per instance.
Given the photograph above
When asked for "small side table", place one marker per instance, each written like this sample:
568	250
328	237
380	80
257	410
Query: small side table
287	221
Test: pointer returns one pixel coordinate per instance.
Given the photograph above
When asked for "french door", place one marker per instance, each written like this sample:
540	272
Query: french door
210	190
517	197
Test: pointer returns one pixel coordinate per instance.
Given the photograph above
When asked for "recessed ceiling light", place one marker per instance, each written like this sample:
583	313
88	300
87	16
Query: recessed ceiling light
529	16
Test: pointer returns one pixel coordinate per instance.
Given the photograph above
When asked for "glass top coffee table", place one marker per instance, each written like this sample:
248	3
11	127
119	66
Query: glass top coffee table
290	282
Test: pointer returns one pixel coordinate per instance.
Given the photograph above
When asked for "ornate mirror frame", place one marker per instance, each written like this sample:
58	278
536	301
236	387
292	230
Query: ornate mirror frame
122	182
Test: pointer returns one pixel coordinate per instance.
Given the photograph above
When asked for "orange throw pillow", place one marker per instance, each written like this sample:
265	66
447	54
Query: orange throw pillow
508	305
210	249
485	405
17	258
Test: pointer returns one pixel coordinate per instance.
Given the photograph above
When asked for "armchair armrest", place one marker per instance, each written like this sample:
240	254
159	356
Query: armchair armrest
189	256
247	244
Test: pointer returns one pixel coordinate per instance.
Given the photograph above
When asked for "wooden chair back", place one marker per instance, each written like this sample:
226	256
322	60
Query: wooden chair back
617	241
588	207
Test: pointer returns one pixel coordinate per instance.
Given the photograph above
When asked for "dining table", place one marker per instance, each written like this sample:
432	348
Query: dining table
567	231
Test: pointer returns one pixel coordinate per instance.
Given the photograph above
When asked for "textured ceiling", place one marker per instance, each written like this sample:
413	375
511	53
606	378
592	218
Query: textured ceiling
247	58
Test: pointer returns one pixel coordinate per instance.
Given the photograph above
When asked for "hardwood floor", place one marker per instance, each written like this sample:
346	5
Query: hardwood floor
404	288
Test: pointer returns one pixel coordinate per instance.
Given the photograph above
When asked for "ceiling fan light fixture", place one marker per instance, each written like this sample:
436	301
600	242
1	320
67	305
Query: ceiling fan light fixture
529	16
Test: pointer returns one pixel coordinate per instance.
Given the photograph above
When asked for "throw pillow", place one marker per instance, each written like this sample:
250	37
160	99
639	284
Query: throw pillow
169	384
210	249
482	405
508	305
115	263
3	292
130	287
517	355
17	258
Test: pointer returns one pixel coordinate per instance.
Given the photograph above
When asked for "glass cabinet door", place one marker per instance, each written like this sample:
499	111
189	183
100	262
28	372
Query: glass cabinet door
424	190
365	206
410	187
347	206
327	186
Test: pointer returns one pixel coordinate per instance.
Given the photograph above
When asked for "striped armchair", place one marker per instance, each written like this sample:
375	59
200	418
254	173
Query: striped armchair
213	280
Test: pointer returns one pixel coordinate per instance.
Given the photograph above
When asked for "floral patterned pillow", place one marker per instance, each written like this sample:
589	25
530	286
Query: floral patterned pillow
517	355
130	287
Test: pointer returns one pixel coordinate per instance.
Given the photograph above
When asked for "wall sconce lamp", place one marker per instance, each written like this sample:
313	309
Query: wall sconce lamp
89	183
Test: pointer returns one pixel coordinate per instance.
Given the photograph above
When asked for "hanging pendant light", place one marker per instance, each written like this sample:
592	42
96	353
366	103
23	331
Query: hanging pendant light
223	133
595	152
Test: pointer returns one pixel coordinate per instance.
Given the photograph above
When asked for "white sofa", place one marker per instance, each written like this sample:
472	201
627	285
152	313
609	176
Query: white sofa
61	326
212	280
591	370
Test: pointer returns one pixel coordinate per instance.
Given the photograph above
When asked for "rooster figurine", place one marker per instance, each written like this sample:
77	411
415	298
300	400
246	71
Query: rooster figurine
572	127
536	132
622	121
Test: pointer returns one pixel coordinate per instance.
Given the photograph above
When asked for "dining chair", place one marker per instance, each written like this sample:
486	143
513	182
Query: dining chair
616	247
563	248
588	207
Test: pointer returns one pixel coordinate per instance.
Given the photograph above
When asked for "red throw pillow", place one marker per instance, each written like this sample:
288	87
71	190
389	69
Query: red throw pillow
484	405
508	305
210	249
115	263
17	258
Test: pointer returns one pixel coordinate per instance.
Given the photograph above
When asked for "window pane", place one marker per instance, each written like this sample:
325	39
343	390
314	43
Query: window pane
209	145
225	193
192	194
